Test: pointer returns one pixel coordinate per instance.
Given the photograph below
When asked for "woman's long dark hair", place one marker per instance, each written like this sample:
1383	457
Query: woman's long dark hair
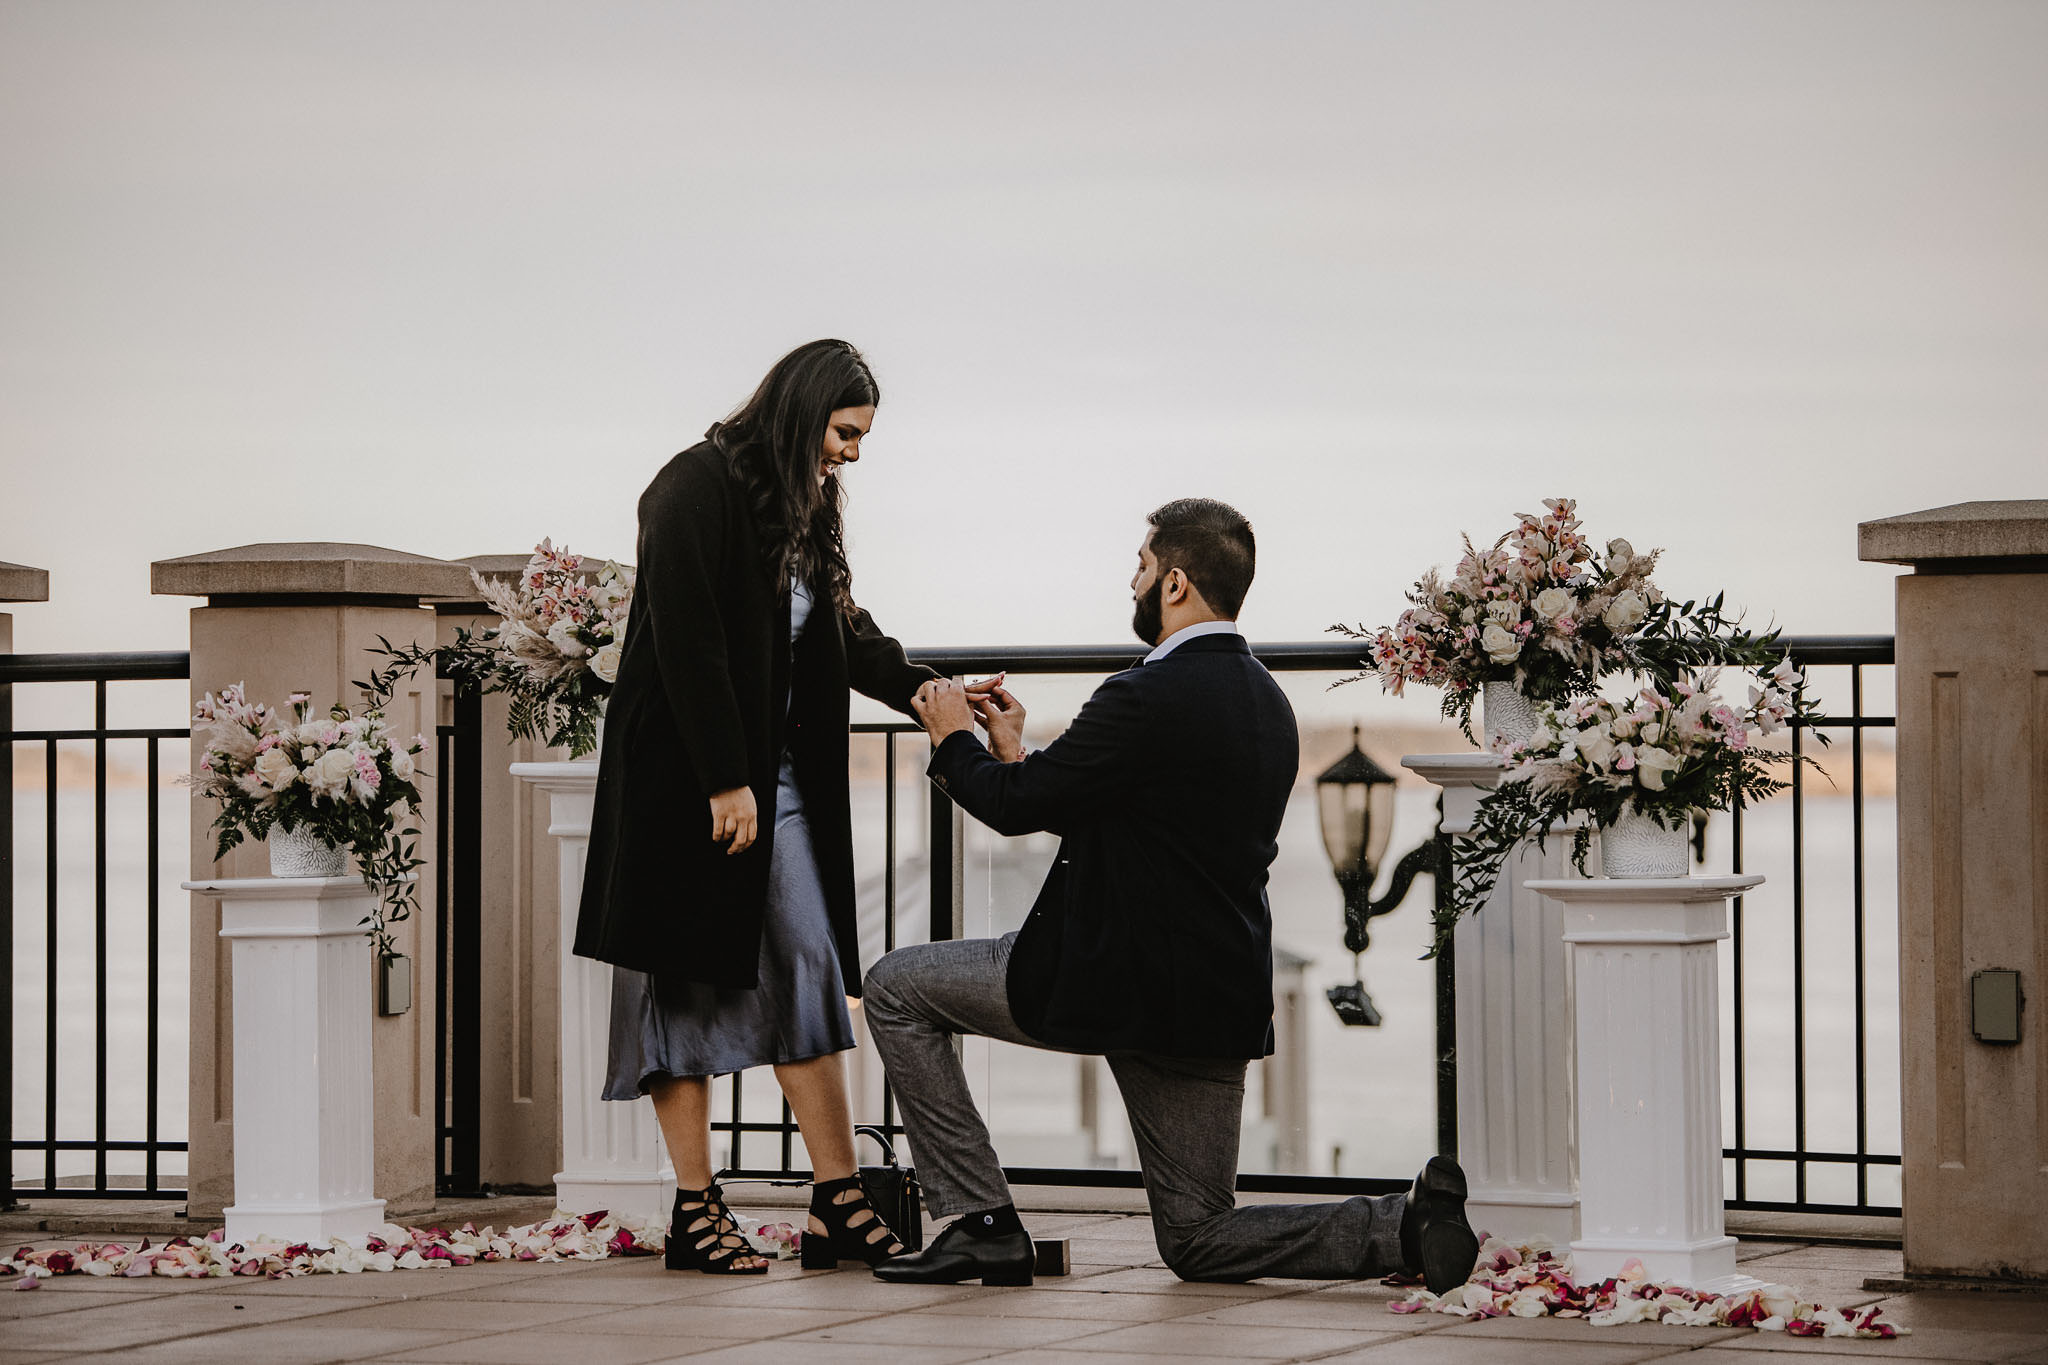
774	443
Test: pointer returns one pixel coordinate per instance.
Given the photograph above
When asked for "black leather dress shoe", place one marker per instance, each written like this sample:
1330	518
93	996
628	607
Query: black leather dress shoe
954	1256
1436	1241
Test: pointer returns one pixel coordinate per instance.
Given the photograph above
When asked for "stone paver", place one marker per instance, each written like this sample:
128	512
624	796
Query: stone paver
1436	1349
1938	1343
1716	1355
1120	1307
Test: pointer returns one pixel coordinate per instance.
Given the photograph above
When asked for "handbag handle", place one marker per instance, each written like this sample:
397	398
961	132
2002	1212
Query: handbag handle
881	1140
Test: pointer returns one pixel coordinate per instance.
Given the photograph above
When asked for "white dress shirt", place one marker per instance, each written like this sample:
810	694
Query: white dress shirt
1187	633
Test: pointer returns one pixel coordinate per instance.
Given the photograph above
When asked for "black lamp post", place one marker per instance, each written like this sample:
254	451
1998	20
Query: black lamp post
1355	800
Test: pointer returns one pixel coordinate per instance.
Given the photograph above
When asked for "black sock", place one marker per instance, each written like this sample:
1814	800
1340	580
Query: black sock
990	1222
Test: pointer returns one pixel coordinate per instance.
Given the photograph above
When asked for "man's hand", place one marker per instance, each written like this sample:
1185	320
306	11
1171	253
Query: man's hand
942	708
1002	715
734	819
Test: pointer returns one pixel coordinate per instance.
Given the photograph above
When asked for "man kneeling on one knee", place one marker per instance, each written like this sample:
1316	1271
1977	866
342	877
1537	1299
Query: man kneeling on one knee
1150	944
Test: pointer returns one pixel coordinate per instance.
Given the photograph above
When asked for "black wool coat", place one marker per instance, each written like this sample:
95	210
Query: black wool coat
1152	932
698	708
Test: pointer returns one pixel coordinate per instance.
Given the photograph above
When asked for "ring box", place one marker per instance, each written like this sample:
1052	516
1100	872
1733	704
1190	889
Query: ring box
1049	1257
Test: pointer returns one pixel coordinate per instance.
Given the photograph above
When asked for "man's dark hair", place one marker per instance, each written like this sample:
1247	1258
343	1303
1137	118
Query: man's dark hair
1212	544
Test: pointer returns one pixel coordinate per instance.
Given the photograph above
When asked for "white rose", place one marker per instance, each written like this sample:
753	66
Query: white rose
1626	611
329	773
1596	747
1502	645
1654	766
276	769
1504	610
1552	603
605	663
1620	554
316	734
402	766
562	635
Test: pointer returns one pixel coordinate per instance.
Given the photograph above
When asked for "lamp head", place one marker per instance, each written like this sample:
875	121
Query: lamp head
1355	800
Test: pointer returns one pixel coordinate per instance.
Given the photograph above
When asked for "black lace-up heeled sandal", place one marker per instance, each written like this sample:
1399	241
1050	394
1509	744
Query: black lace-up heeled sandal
853	1230
703	1235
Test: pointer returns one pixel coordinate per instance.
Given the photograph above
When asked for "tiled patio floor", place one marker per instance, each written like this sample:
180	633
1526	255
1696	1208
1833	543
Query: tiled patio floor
1119	1307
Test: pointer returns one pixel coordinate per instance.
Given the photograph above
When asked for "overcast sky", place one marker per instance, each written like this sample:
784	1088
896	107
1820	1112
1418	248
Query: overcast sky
449	277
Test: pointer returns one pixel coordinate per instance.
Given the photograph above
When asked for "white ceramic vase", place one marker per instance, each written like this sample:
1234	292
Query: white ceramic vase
302	853
1505	715
1637	846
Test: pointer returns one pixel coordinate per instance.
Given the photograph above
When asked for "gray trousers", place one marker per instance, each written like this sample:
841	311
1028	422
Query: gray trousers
1185	1114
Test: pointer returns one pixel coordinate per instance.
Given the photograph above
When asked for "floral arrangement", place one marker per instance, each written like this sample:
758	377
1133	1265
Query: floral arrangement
1533	1282
584	1237
1674	748
556	651
339	776
1546	612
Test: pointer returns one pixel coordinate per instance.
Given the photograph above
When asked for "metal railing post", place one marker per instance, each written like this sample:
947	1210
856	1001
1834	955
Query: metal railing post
7	1201
1446	1008
465	948
948	869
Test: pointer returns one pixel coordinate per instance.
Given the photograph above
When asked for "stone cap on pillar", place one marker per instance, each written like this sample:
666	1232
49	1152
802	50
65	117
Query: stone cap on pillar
497	568
307	574
1465	778
467	601
20	583
1968	537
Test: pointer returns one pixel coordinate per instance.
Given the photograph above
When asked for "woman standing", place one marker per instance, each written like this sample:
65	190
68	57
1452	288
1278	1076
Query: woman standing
720	875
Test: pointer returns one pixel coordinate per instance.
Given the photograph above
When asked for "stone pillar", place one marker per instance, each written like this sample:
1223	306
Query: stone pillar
1286	1078
612	1156
300	617
1514	1029
519	1133
1972	681
303	1091
18	583
1647	1044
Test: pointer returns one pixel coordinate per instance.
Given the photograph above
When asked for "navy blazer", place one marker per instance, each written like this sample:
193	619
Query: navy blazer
1152	932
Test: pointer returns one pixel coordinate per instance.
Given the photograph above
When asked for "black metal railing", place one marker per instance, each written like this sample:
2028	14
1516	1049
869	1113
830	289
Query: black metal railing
460	754
458	948
99	670
1855	654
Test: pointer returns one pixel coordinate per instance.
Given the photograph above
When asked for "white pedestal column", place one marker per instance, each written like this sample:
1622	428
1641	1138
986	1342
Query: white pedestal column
1647	1003
612	1156
1514	1030
304	1107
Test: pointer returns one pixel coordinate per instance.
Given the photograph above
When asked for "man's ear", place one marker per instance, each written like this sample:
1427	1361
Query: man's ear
1177	586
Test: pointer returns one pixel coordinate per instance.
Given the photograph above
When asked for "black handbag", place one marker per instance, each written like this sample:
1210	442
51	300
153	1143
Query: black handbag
894	1191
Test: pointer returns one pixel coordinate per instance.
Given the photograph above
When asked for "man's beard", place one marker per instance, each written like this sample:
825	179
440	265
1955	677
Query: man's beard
1148	620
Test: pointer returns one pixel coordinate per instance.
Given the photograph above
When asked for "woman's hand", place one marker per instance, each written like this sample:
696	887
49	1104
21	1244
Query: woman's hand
1002	715
734	819
942	708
